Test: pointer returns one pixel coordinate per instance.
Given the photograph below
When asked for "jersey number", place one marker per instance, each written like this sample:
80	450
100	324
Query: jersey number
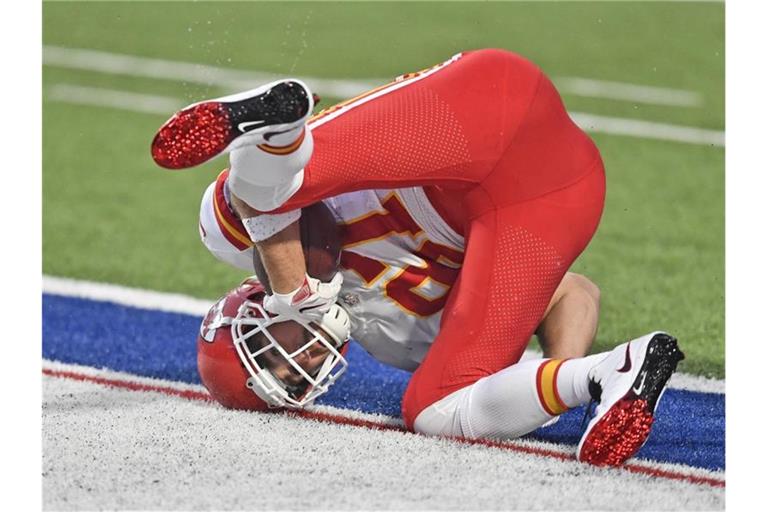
441	263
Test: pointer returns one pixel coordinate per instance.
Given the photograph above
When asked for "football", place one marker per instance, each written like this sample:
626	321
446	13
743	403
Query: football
321	242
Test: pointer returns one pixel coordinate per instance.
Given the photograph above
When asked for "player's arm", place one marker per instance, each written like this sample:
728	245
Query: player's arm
570	322
283	259
294	293
281	254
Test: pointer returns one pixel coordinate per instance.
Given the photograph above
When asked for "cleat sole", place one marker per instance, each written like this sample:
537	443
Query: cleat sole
204	130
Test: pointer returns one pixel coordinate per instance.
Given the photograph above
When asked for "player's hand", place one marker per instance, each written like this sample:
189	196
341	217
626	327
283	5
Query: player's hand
310	301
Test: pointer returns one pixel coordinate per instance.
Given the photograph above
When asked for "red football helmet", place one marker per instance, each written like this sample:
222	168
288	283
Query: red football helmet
234	341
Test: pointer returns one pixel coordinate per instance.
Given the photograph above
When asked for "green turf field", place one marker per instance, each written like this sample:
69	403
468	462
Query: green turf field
111	215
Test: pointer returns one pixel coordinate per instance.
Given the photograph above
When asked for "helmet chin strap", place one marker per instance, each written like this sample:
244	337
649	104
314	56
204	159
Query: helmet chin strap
325	369
272	399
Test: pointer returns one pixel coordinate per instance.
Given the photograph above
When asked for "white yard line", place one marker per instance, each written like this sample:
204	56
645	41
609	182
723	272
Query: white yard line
176	303
622	91
123	100
125	296
648	129
165	105
235	79
121	64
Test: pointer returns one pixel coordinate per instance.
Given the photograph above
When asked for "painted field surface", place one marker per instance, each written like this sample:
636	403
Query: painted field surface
149	351
122	446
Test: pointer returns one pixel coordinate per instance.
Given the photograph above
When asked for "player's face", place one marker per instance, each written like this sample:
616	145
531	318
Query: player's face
292	336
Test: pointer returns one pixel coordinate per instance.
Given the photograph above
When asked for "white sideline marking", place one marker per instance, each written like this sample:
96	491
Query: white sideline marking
121	64
627	92
176	303
165	105
347	413
124	100
134	297
130	65
648	129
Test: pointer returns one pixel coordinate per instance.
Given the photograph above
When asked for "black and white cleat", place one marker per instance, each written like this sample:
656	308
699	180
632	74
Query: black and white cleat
628	385
204	130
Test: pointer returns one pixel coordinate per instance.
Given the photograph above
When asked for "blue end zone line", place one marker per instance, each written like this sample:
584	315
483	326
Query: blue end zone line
689	428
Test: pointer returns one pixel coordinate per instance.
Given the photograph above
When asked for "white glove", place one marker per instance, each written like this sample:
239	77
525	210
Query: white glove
309	301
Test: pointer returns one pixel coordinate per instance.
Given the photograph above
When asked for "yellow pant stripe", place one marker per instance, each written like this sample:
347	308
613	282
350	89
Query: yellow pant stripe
546	386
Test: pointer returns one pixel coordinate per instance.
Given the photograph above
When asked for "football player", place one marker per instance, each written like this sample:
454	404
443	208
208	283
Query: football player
464	192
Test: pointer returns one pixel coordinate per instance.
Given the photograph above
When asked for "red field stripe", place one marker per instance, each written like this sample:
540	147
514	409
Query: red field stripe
358	422
672	475
133	386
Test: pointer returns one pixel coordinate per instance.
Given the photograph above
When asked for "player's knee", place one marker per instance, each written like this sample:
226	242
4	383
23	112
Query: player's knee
439	418
586	287
416	400
426	425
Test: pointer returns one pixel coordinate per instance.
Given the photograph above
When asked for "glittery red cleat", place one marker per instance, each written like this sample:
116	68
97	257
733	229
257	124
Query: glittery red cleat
628	385
204	130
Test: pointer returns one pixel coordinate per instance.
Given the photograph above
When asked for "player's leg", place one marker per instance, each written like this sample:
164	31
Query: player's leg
448	124
515	259
511	402
570	322
533	215
279	171
627	381
468	384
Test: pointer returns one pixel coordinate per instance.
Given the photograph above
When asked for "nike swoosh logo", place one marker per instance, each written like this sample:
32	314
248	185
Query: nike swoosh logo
627	362
639	388
269	135
250	125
